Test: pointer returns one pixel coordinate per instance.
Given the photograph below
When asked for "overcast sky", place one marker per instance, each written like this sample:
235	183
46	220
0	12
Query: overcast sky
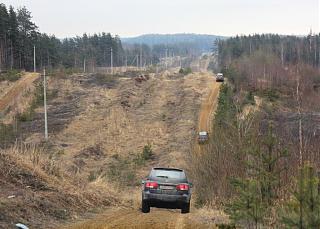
127	18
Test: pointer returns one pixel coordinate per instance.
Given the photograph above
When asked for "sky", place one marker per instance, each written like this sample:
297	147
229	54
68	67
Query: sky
128	18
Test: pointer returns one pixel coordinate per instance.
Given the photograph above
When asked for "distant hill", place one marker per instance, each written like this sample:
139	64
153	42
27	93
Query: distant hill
202	42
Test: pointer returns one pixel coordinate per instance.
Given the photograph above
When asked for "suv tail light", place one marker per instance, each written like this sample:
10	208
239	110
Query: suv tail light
151	184
182	187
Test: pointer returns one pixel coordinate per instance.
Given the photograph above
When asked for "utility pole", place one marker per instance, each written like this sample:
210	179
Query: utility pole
111	64
172	60
166	59
137	56
315	52
310	41
84	65
34	59
282	55
126	62
140	55
45	105
319	58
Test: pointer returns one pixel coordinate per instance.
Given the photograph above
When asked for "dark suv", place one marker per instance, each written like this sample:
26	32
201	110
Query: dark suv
166	188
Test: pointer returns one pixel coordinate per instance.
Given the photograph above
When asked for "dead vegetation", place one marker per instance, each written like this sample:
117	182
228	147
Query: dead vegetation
16	97
36	190
105	132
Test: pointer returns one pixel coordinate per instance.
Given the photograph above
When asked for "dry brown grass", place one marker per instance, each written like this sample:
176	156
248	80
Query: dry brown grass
162	111
15	98
96	125
42	192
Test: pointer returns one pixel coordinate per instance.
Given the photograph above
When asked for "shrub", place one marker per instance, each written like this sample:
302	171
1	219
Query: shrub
185	71
271	94
105	79
7	134
93	175
25	116
123	172
249	99
147	153
11	75
226	226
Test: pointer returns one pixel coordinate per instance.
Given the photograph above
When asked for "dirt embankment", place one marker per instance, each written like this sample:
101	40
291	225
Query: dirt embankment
17	89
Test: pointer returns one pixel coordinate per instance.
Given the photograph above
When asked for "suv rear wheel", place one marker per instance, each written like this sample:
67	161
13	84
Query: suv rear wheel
185	208
145	207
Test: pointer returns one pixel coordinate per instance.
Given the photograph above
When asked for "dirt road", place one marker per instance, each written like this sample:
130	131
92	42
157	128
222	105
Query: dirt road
16	90
208	106
133	218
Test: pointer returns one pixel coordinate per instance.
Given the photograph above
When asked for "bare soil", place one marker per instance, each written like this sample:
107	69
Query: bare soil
158	219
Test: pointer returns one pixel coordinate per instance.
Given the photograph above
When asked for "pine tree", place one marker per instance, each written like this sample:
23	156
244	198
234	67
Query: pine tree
27	37
13	36
247	208
4	25
302	211
256	193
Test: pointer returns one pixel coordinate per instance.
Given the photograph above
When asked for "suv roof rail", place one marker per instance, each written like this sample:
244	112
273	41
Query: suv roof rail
164	168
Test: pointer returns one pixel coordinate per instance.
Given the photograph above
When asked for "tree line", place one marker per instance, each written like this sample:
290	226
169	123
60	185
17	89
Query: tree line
289	49
19	35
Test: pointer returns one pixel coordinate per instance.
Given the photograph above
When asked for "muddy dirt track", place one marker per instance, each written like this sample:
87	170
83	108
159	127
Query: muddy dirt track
162	218
133	218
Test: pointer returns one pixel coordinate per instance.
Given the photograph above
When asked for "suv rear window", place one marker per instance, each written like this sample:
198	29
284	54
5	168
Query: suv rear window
168	174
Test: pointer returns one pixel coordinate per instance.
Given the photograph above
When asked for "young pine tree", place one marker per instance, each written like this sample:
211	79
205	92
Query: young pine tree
256	193
302	211
247	208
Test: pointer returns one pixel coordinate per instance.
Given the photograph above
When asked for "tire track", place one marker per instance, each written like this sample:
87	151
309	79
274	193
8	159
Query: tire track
208	107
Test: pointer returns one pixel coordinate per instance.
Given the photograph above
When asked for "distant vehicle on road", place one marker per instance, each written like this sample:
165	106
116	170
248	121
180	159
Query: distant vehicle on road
220	77
203	137
166	188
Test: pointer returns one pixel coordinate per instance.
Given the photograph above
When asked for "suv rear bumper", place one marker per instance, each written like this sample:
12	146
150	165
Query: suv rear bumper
158	198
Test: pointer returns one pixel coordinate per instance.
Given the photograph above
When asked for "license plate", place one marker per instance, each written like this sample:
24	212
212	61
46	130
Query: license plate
166	187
